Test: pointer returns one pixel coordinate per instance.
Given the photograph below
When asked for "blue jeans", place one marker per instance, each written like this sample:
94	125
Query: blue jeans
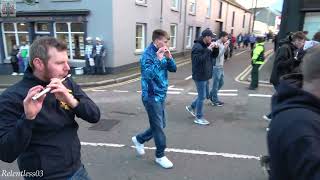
157	121
217	77
197	104
80	174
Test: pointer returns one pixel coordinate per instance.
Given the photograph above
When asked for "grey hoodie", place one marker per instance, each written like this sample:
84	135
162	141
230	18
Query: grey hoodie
220	59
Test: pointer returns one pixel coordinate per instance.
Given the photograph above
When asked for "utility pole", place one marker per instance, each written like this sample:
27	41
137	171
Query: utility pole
254	14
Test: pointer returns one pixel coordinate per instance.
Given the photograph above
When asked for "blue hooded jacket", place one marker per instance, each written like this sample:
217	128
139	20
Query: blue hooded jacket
154	74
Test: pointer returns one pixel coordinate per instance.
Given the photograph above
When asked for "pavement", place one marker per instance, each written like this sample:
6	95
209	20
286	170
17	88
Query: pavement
6	79
227	149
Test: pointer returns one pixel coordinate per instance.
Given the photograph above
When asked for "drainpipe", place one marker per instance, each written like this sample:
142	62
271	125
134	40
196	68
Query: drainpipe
185	26
161	14
226	22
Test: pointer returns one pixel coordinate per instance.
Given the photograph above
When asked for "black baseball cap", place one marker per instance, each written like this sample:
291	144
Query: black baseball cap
208	32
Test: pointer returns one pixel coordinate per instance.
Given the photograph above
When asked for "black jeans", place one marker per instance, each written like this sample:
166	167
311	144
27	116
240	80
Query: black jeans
255	76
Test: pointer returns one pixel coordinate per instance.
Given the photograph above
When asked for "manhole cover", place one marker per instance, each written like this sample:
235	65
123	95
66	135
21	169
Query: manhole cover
104	125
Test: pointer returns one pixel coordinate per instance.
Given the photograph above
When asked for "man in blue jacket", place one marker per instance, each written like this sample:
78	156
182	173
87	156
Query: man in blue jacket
155	61
42	133
294	135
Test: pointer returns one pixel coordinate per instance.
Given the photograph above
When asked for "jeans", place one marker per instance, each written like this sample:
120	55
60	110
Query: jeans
197	104
217	77
80	174
157	121
26	63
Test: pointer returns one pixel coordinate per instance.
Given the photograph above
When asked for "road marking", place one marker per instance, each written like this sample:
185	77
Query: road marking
187	78
175	89
139	91
173	92
184	151
120	91
244	73
228	90
219	94
241	52
260	95
102	144
98	90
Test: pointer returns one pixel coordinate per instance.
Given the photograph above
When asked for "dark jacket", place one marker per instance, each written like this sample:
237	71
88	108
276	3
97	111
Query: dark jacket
13	55
284	62
202	60
294	135
49	142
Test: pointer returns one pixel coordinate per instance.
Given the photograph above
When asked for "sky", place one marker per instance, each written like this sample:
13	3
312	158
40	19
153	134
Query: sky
274	4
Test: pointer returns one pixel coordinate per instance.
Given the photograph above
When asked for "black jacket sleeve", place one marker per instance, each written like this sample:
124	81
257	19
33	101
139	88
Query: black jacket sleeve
215	52
304	158
15	129
86	109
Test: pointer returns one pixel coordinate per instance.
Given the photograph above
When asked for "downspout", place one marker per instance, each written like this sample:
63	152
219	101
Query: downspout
226	22
185	26
161	14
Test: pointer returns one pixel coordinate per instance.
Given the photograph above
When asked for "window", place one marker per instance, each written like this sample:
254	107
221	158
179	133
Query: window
42	29
192	9
233	15
175	4
220	11
189	37
140	37
73	35
208	8
244	21
311	23
14	34
173	36
141	1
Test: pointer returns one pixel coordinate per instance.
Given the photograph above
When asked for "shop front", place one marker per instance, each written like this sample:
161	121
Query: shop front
70	26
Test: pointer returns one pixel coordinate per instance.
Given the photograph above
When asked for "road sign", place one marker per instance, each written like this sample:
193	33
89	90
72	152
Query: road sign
8	8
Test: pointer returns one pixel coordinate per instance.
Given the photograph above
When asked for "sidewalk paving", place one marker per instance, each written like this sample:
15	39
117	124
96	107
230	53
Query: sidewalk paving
6	79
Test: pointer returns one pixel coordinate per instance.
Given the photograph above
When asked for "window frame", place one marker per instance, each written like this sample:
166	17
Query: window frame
176	5
189	37
192	3
173	46
143	37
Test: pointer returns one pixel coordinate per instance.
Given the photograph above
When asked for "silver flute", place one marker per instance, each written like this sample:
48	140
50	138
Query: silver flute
47	89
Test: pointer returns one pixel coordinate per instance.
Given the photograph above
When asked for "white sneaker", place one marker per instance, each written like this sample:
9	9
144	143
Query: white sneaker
265	117
191	111
14	74
201	121
139	147
21	74
164	162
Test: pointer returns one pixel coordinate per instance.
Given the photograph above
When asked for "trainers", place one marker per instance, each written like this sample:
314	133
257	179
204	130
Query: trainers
201	121
164	162
139	147
191	111
267	118
21	74
218	103
14	74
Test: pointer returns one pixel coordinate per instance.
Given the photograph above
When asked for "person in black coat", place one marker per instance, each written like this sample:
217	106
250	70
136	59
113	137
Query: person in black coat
14	60
202	55
286	61
294	135
41	134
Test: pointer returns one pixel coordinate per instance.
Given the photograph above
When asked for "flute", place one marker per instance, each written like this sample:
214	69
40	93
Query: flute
46	90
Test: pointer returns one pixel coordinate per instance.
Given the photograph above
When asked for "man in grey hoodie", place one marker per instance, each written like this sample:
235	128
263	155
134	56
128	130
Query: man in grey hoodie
218	73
